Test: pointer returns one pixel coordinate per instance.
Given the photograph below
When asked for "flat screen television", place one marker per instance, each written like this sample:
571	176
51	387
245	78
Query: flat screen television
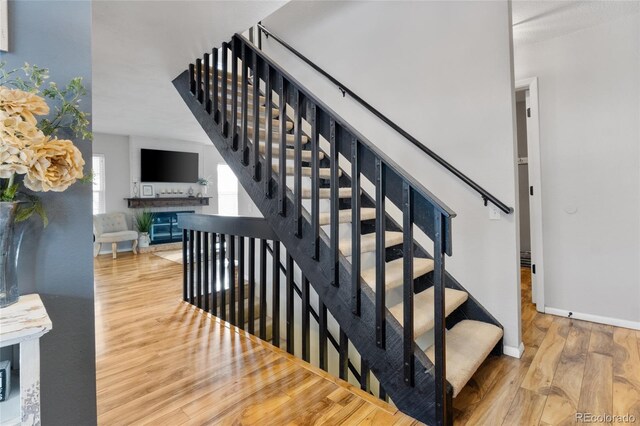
168	166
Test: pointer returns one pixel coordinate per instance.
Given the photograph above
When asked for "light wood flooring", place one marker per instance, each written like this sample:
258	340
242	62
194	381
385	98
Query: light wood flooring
568	366
162	362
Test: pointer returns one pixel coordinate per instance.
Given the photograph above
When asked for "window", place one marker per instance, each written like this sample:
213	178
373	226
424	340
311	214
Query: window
98	184
227	191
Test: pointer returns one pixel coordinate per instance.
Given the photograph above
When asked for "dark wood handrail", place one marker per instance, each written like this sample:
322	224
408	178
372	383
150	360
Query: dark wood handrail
486	195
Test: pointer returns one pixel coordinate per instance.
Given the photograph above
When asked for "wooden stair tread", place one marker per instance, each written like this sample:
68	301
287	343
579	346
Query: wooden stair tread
423	318
263	120
468	345
394	277
275	136
324	173
290	152
325	193
368	242
344	216
275	111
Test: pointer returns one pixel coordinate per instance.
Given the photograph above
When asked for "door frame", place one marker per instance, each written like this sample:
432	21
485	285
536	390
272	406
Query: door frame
535	181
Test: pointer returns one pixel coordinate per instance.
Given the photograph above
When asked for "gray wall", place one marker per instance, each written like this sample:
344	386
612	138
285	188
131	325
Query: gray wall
523	178
442	71
590	167
57	261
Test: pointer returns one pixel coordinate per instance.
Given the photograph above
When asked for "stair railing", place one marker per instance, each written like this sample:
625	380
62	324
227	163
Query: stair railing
220	264
419	207
484	194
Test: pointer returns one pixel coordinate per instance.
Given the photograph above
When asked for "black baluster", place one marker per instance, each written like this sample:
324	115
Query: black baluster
382	394
192	272
199	80
335	204
214	274
364	375
241	282
185	263
315	179
408	290
252	285
232	279
443	410
245	108
234	93
343	356
290	305
298	101
223	81
282	163
205	265
263	289
199	268
223	270
356	227
216	101
256	120
381	323
207	83
275	302
322	336
306	341
268	147
192	79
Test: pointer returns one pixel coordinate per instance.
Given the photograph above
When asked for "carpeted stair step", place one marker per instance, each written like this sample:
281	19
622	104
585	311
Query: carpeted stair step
344	216
393	269
290	154
423	318
325	193
468	345
324	173
368	242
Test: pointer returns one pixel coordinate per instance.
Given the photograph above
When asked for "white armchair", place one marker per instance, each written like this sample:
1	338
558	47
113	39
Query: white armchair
112	228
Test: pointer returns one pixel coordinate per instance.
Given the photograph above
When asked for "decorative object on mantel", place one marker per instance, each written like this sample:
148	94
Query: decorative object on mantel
144	220
32	158
147	190
135	189
137	203
204	183
190	192
23	324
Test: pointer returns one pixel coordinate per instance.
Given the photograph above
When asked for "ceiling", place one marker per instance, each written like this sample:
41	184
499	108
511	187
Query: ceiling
535	21
140	46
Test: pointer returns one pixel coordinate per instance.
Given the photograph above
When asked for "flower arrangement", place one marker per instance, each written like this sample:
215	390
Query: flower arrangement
203	181
31	156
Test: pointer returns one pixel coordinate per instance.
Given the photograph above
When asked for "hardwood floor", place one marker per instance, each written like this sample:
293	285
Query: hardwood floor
162	362
568	366
159	361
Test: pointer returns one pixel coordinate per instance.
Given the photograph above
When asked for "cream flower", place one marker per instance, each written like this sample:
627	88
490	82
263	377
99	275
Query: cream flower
56	165
24	104
17	132
13	160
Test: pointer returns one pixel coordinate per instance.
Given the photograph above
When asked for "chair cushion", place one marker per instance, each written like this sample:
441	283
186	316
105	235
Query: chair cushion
115	237
109	222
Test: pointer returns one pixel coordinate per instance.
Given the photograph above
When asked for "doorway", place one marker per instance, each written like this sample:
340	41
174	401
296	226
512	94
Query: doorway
529	190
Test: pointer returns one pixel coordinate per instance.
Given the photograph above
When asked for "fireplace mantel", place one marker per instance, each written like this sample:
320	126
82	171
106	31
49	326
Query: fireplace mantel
136	203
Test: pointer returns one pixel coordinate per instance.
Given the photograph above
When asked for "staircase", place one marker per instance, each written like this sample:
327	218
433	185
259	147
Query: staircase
327	193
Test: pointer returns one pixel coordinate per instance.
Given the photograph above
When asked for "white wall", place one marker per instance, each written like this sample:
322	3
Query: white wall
122	167
442	71
590	158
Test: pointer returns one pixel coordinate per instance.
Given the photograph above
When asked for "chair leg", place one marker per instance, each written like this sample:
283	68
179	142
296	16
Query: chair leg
97	252
135	246
114	249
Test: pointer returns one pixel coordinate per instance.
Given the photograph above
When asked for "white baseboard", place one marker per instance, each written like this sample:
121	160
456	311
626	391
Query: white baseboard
512	351
635	325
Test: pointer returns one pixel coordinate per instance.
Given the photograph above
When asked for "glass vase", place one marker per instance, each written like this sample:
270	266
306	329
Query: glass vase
8	254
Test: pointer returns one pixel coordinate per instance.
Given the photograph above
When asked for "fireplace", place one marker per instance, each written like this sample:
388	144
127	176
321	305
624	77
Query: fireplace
165	227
